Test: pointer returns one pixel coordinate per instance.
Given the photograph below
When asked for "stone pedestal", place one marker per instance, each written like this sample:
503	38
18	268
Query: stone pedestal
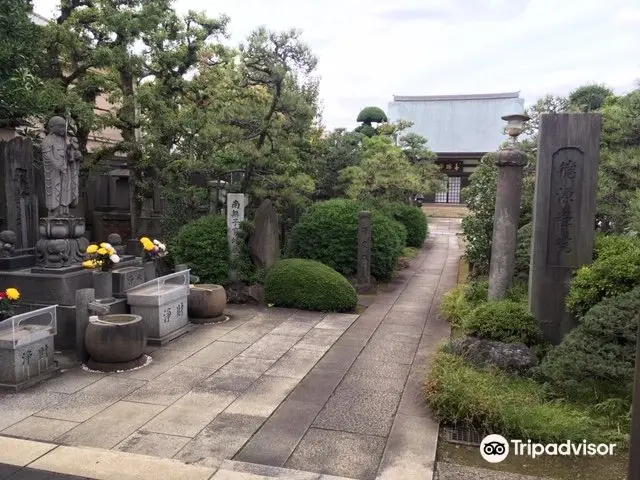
510	163
26	348
103	285
564	214
162	304
149	270
61	244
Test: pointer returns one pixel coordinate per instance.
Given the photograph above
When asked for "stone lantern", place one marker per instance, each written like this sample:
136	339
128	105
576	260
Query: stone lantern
510	161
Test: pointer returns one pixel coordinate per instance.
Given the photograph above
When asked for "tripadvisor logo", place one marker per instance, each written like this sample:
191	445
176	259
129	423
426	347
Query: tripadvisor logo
495	448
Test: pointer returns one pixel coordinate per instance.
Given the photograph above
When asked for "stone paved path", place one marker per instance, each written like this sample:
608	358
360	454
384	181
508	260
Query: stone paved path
333	394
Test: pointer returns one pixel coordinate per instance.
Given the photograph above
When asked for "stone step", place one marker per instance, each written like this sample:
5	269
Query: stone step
253	471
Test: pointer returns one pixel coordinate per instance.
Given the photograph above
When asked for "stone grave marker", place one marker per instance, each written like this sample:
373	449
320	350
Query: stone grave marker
18	200
564	214
265	241
363	275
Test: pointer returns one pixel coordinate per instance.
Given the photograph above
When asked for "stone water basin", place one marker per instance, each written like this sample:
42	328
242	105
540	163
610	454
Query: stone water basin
115	342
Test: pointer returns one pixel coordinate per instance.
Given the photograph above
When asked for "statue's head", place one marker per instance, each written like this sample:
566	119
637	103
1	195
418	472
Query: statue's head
57	126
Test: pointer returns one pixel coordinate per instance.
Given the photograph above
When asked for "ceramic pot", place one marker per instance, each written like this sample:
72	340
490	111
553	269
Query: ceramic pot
103	285
115	338
206	302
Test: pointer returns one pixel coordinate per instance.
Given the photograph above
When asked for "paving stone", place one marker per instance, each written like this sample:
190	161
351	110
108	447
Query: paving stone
18	452
338	453
319	337
411	449
263	397
270	346
18	406
247	333
232	475
91	400
316	387
307	315
107	464
189	415
398	317
111	426
170	386
156	444
359	410
338	358
296	363
37	428
352	339
294	328
337	321
288	425
398	333
390	351
192	342
221	439
215	355
236	376
161	361
266	471
371	381
367	366
412	402
72	380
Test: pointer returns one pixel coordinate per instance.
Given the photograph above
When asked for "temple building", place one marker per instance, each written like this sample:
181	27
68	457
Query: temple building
460	129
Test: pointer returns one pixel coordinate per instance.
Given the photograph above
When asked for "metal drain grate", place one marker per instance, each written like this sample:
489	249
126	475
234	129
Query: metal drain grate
463	434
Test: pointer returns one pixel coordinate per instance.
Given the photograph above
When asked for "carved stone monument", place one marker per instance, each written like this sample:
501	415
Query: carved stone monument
564	214
18	204
265	241
62	242
236	203
363	275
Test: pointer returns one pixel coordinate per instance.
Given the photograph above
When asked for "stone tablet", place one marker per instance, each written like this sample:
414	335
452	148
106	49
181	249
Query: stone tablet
265	241
564	214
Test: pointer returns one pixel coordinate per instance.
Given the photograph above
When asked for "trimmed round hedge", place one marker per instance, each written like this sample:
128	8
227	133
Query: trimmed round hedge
309	285
503	321
328	233
413	219
596	360
202	244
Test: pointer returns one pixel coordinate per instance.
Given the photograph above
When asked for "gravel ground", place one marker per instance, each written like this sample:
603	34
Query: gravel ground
450	471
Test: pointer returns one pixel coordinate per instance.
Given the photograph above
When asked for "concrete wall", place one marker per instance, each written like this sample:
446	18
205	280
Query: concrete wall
458	123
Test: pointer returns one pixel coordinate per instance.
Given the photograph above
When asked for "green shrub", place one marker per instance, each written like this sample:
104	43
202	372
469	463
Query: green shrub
414	220
328	233
247	271
612	245
608	276
308	285
596	360
504	321
513	407
203	245
523	252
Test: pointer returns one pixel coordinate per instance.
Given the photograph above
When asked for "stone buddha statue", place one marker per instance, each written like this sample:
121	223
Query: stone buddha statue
61	161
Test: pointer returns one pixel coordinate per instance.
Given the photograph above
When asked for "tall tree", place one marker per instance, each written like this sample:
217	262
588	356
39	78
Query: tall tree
20	51
589	98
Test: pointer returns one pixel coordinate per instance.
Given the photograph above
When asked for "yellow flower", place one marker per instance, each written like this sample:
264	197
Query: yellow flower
102	251
92	249
12	293
111	250
147	244
144	240
89	264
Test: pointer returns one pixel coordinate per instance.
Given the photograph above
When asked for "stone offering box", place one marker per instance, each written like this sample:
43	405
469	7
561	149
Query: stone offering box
125	279
26	348
162	304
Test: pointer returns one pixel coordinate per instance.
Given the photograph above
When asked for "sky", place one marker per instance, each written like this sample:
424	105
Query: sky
370	50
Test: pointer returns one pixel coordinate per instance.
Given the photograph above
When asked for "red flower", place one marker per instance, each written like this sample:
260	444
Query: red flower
3	295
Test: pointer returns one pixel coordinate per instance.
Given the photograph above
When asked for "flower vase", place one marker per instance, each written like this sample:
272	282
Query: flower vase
149	270
103	285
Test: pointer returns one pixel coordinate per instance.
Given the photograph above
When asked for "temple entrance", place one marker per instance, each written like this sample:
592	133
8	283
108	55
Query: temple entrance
452	194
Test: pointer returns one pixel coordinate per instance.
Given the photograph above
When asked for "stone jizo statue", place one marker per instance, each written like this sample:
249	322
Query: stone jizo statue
61	159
